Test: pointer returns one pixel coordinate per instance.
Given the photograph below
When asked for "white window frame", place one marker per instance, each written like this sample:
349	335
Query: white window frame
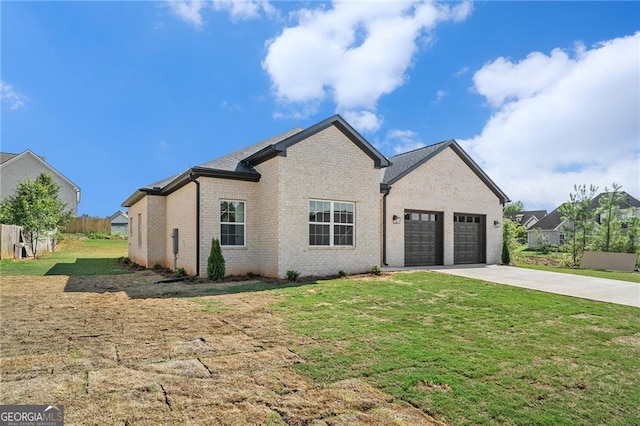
243	223
139	229
332	223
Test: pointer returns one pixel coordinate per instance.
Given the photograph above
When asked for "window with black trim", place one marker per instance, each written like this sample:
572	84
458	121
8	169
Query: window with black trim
331	223
232	223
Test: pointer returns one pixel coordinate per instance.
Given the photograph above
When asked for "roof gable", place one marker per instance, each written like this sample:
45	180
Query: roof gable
280	148
403	164
526	216
8	159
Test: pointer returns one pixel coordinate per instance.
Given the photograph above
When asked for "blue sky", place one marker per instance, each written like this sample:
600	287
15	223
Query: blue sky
118	95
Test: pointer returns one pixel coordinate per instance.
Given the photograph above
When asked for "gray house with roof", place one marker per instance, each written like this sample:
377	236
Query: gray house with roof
318	201
550	230
526	218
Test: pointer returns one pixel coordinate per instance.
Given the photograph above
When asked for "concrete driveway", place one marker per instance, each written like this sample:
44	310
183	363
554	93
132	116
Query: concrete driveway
605	290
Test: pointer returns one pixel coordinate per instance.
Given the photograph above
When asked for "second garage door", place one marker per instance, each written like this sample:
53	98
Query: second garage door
468	238
422	238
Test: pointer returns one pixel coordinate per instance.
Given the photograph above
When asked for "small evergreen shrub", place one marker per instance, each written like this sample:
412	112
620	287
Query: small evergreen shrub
216	269
181	272
342	274
375	270
506	256
292	275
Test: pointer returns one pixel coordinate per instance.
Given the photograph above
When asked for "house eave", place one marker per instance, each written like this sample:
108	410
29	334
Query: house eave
188	176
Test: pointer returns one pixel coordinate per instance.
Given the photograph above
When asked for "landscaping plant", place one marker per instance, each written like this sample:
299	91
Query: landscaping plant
216	269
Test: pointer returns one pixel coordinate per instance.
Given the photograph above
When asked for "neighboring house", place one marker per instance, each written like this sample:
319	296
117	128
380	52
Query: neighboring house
16	168
318	201
119	223
526	218
550	230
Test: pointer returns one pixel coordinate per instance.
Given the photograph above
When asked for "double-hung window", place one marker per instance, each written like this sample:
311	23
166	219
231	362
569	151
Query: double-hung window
232	223
331	223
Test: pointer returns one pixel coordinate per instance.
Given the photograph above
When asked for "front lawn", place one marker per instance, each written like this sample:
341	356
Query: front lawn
471	352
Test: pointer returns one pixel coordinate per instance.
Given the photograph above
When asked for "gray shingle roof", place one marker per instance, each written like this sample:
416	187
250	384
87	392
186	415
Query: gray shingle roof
5	156
402	164
233	162
526	215
550	221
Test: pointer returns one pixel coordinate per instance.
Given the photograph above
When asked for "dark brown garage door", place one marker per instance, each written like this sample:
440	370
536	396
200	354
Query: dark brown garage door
468	238
422	238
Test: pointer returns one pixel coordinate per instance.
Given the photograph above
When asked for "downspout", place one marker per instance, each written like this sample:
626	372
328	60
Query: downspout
194	180
384	226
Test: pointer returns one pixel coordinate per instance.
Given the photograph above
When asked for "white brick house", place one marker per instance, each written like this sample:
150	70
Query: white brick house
318	201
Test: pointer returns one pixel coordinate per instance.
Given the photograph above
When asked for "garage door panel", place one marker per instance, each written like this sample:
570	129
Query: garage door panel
423	238
468	239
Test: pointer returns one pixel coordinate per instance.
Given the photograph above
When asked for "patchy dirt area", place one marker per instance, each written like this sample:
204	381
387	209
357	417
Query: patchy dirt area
123	350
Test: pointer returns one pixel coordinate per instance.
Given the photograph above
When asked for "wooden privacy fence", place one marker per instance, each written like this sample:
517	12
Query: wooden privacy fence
9	242
82	225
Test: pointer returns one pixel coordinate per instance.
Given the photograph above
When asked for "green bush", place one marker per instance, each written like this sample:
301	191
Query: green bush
216	269
342	273
292	275
375	270
181	272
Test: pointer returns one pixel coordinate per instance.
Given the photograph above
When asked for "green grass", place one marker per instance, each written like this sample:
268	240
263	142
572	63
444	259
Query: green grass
471	352
612	275
74	257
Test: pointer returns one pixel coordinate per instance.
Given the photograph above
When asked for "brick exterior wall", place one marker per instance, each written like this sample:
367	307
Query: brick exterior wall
152	212
327	166
181	214
238	260
443	184
30	167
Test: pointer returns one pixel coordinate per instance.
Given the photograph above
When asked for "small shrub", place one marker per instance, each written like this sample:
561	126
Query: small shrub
98	235
125	260
292	275
506	255
181	272
375	270
157	267
216	269
342	273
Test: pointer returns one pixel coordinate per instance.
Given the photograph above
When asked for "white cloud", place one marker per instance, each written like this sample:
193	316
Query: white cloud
402	141
504	80
191	11
561	121
352	53
439	95
364	121
244	9
12	99
188	10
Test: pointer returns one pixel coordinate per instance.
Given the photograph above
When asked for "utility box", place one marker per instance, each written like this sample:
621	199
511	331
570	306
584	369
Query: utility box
176	240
